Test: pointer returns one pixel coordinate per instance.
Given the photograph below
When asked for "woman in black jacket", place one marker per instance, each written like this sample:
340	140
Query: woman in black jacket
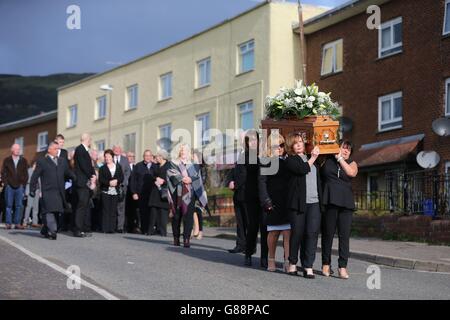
158	203
246	184
110	179
272	194
304	198
337	173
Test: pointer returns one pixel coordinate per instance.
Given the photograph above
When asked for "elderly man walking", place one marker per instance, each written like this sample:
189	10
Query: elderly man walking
121	160
53	171
15	177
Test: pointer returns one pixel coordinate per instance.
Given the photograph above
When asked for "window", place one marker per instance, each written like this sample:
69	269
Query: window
447	167
447	97
100	145
165	86
20	142
165	131
203	72
132	97
390	112
202	125
246	115
73	116
390	38
101	108
129	142
332	56
247	56
42	141
447	17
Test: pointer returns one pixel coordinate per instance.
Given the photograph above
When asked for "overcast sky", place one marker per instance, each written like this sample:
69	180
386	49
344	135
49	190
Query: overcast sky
34	38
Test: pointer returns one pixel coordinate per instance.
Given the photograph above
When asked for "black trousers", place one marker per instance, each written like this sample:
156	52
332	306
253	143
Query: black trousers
256	221
241	223
160	218
144	213
132	217
188	221
342	219
82	213
49	221
305	228
109	212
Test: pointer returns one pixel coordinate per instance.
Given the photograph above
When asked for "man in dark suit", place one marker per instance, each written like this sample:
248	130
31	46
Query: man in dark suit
65	217
132	223
119	159
85	181
62	153
141	185
52	171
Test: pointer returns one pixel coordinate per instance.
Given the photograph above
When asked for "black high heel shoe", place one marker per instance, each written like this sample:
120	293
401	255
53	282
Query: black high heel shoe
248	261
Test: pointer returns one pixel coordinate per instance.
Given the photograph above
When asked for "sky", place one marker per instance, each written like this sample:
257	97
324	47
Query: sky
35	40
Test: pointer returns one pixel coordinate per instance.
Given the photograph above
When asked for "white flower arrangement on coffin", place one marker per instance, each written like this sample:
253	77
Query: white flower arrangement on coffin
300	102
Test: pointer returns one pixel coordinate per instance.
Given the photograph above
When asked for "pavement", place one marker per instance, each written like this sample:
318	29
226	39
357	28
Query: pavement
130	266
400	254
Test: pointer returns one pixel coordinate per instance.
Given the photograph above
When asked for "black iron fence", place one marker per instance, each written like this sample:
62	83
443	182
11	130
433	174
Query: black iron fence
424	192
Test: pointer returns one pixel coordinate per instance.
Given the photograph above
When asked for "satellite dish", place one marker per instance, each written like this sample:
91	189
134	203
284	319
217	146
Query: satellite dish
428	159
346	124
164	143
441	127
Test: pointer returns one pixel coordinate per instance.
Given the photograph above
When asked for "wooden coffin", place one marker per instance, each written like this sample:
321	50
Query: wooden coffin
319	131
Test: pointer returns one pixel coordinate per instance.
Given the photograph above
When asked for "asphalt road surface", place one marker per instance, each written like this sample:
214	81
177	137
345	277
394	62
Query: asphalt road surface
128	266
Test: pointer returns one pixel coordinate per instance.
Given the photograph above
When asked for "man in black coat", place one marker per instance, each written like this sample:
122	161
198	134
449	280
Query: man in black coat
141	185
52	171
86	178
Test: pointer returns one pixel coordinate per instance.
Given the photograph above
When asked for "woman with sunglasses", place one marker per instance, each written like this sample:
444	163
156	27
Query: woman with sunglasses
272	195
304	198
337	173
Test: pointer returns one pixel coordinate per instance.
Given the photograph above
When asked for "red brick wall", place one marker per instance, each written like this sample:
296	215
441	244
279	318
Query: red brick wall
30	135
419	72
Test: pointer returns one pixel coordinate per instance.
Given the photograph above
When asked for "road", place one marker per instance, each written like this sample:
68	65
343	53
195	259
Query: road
129	266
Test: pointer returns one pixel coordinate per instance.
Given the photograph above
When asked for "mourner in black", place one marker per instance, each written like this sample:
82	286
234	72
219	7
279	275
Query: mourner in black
158	202
273	196
52	171
246	184
337	174
110	178
86	180
141	185
304	198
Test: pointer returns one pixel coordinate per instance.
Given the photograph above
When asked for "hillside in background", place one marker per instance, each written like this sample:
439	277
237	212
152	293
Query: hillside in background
26	96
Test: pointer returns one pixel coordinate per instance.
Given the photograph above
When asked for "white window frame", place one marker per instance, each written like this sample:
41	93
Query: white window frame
391	24
162	80
40	146
135	141
21	142
99	143
72	121
240	55
447	97
447	167
446	14
202	135
334	68
98	114
247	110
161	128
390	97
207	72
132	90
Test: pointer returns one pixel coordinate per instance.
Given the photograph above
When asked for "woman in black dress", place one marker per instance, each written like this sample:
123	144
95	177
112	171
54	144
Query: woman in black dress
337	173
272	195
110	178
158	202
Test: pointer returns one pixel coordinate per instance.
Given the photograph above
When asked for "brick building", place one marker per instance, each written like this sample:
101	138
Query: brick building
31	133
392	82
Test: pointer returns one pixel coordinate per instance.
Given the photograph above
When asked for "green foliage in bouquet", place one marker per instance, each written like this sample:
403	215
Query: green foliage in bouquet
300	101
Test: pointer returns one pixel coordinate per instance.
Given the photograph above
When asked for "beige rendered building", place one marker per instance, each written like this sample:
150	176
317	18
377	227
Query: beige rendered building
215	79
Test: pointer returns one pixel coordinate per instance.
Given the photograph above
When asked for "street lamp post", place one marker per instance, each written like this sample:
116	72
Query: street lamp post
108	88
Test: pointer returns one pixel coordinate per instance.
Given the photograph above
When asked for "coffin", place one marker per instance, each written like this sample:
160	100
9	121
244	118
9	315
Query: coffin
319	131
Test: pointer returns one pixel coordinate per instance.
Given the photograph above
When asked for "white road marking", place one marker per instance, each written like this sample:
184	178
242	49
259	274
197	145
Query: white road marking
89	285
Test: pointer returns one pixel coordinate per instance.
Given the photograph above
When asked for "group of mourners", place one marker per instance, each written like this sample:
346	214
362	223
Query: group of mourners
305	197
